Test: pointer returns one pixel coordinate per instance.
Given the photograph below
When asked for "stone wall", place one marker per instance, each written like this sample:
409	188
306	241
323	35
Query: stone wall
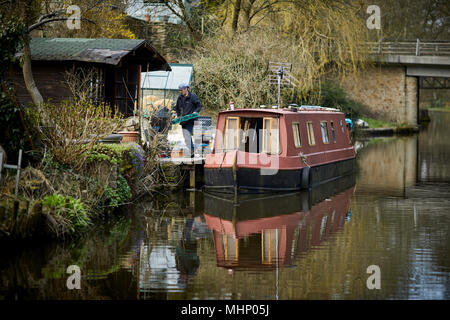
387	92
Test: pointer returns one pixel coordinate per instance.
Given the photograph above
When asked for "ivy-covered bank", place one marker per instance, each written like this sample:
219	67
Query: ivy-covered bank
57	201
68	179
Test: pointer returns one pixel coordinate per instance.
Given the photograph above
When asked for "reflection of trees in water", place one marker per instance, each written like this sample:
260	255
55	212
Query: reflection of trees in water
39	271
434	149
168	255
186	251
110	256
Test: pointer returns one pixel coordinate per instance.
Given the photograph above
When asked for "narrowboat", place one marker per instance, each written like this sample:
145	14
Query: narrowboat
288	149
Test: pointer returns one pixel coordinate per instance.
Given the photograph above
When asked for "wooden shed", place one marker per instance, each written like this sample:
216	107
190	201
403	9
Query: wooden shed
114	67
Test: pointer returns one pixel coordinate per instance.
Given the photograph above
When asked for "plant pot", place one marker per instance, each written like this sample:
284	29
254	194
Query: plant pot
129	136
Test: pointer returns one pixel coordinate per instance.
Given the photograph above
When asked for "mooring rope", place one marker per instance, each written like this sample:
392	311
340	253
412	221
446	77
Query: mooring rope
304	159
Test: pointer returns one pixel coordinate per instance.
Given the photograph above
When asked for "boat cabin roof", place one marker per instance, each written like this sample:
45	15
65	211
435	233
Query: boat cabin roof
283	111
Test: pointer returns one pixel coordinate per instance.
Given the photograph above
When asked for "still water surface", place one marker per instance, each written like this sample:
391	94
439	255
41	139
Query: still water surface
393	213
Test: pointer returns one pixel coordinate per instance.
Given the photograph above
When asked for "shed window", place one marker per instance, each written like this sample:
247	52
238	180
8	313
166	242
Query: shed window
231	133
126	88
311	138
271	136
296	133
324	129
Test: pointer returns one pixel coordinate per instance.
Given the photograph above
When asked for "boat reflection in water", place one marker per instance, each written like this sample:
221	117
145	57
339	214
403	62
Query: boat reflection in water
257	232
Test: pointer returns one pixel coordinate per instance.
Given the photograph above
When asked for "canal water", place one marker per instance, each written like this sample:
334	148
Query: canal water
394	214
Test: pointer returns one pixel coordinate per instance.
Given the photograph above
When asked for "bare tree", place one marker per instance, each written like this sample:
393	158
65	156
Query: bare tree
236	13
178	8
37	14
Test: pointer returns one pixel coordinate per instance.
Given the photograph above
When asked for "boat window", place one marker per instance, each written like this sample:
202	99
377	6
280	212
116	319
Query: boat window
323	226
230	247
274	135
342	127
231	134
266	135
250	140
333	134
296	132
324	129
271	136
269	246
245	131
311	138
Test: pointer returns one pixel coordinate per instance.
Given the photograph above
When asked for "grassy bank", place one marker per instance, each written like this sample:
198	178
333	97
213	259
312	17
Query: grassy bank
442	109
376	123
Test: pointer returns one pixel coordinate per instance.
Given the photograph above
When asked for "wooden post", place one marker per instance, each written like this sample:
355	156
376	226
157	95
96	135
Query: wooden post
18	175
139	105
1	163
192	177
192	200
15	212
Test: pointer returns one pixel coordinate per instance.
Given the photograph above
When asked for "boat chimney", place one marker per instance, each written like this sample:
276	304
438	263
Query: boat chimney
293	107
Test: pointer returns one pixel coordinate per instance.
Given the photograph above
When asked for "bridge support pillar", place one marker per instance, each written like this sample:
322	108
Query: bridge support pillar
388	93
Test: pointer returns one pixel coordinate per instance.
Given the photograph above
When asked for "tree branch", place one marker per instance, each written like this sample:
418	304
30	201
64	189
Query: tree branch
183	16
50	15
41	23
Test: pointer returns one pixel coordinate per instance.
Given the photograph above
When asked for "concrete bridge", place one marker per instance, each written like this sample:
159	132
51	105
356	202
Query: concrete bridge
391	86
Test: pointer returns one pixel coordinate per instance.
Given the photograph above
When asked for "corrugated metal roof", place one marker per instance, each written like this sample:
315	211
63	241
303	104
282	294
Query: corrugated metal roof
70	48
107	51
181	73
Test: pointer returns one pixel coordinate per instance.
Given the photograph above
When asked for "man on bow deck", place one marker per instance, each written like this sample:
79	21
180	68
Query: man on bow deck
187	103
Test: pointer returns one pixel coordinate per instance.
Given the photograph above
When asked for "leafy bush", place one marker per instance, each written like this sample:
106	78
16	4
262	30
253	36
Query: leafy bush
332	95
120	195
70	133
11	32
12	133
127	156
130	160
13	136
105	152
70	208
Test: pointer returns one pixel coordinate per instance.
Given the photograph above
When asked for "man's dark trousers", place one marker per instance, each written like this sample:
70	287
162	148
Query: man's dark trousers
188	127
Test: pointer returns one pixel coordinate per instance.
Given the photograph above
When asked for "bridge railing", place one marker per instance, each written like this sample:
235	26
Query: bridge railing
416	48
